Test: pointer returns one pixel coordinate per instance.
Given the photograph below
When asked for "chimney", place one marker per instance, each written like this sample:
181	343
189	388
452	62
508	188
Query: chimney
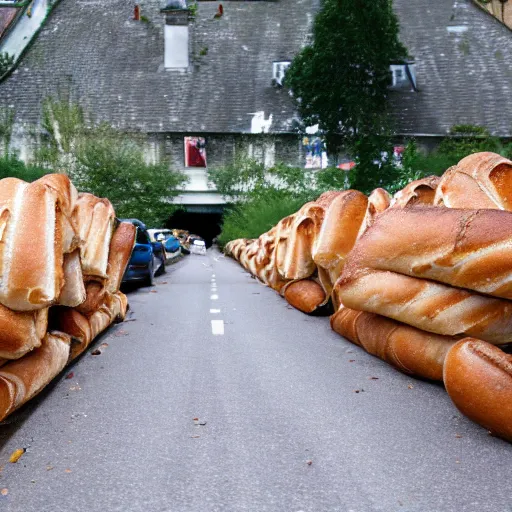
136	12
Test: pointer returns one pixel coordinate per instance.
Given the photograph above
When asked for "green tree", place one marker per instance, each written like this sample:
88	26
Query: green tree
107	163
340	80
6	62
111	164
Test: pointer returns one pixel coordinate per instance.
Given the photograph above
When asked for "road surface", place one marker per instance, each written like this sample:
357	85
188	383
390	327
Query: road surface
280	426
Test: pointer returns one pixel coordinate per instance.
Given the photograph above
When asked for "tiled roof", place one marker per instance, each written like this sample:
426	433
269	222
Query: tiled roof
94	51
463	64
115	66
7	15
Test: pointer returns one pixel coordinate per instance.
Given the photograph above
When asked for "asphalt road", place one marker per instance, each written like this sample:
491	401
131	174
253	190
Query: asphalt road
279	425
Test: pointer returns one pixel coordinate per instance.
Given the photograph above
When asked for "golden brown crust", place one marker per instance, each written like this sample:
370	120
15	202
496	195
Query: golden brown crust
306	295
427	305
408	349
120	250
478	378
481	180
95	219
73	292
417	193
464	248
21	331
22	379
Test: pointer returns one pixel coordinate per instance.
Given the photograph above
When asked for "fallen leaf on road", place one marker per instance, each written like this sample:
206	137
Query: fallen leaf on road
203	423
163	282
196	419
49	468
309	462
15	455
96	352
351	360
457	462
153	291
458	436
121	333
104	345
4	492
356	390
130	320
67	470
194	437
374	378
70	375
410	386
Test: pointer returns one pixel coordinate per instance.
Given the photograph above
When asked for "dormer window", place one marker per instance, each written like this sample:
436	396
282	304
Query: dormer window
279	70
403	77
176	34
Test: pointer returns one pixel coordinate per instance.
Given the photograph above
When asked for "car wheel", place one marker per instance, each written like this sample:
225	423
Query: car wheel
150	280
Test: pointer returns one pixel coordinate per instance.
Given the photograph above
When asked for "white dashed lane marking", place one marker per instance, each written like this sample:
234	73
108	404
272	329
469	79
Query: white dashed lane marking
214	297
214	311
217	327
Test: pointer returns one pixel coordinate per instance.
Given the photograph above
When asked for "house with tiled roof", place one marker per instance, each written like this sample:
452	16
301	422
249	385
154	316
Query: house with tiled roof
204	83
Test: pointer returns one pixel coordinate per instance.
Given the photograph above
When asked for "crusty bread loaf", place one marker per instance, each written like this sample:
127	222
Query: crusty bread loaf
22	379
408	349
465	248
73	292
427	305
339	229
65	191
120	250
478	378
298	260
481	180
95	219
95	296
32	252
21	331
75	325
306	295
417	193
378	201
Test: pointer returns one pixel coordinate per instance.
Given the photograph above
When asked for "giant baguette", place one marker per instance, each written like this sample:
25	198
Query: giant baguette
298	260
465	248
305	295
478	378
120	250
73	292
32	253
95	296
22	379
481	180
378	201
427	305
95	219
21	331
417	193
408	349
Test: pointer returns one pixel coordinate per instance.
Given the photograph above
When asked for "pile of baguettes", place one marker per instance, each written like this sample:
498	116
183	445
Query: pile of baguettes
62	259
422	280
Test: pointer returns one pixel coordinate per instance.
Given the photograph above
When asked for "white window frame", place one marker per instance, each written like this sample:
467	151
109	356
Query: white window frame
279	69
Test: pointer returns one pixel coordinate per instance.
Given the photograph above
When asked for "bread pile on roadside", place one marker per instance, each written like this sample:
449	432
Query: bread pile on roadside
62	258
422	280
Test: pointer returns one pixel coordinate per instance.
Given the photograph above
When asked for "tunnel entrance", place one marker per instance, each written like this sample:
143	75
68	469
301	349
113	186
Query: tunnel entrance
204	221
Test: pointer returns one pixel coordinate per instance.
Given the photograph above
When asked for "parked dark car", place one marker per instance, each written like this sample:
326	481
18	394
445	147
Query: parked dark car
148	258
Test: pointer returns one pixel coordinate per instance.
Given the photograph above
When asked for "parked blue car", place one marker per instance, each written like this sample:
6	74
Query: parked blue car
148	258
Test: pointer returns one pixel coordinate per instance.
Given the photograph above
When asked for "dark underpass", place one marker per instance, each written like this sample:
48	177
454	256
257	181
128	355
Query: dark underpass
206	224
